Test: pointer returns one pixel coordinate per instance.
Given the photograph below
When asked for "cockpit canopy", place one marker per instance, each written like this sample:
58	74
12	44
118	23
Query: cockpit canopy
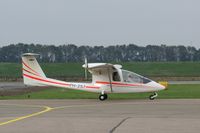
132	77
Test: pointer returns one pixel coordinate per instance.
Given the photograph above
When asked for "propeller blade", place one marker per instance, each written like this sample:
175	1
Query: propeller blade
86	64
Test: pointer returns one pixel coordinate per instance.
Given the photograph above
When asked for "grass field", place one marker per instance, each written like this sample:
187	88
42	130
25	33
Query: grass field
169	69
173	92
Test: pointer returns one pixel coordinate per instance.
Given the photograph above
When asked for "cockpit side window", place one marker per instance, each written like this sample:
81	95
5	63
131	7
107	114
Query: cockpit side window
133	77
116	76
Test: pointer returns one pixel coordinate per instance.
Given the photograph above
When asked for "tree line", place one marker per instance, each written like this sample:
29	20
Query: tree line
115	53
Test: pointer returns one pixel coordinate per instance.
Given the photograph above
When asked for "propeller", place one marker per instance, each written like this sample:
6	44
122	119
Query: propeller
86	67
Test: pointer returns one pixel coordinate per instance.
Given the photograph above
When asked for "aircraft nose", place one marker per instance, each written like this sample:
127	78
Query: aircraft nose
164	84
160	86
157	86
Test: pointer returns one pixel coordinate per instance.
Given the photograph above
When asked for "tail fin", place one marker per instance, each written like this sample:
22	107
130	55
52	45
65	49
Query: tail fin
31	69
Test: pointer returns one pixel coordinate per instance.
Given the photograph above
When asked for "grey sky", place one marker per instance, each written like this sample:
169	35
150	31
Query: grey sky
100	22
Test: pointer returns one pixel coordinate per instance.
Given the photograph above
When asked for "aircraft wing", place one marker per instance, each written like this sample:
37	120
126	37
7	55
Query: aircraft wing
91	66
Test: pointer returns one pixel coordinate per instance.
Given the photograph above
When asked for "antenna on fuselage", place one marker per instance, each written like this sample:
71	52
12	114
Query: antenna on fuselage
86	67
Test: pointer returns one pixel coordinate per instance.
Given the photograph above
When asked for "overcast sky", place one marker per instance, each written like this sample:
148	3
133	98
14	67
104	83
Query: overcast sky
100	22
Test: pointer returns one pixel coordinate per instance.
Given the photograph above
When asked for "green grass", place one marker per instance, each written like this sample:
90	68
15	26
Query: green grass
161	69
10	70
173	92
165	68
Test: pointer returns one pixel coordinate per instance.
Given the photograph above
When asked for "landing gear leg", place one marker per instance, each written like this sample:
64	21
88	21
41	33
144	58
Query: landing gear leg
103	96
153	96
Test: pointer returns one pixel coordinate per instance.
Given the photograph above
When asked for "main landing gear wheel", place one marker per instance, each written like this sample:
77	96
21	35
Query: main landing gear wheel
153	96
103	97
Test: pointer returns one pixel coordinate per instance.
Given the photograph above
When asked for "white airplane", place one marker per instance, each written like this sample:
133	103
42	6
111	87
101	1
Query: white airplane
106	78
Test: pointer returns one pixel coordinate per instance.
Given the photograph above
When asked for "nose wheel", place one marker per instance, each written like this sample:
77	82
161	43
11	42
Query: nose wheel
103	97
153	96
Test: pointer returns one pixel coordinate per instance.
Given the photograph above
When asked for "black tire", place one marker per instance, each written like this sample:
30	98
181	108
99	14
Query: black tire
103	97
151	97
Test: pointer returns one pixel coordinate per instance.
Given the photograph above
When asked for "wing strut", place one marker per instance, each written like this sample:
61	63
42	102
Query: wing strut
110	80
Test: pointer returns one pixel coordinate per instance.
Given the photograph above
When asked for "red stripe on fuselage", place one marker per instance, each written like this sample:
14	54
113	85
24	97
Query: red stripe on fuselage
123	84
44	80
117	83
93	87
29	67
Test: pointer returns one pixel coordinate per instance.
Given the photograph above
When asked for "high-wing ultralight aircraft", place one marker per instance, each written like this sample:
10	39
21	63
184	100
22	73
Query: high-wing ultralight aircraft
106	78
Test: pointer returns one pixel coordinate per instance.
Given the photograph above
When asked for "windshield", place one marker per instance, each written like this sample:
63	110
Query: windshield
132	77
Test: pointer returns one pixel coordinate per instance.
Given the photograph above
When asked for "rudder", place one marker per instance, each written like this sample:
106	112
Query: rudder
31	70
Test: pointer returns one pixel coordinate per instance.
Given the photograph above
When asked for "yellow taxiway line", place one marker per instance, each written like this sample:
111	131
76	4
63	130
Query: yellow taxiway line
46	109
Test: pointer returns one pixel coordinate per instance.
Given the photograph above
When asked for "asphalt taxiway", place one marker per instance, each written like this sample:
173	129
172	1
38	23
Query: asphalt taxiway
93	116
